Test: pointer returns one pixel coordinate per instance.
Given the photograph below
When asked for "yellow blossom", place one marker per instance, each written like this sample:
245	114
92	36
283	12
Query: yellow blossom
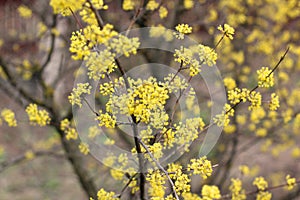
156	181
163	12
123	45
128	5
261	132
70	132
117	174
188	4
84	148
260	183
29	155
291	182
255	99
274	103
36	116
75	96
24	11
9	117
229	83
103	195
210	192
227	30
265	77
182	30
65	7
107	120
244	169
201	166
263	195
152	5
237	192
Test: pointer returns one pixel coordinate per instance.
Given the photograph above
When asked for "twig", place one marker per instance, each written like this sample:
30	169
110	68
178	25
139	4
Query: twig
161	168
126	186
98	17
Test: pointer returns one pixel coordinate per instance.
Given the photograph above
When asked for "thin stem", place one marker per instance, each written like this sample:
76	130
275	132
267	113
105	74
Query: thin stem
253	89
98	17
135	17
161	168
126	186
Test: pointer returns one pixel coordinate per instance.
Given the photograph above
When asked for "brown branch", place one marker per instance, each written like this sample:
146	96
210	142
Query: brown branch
161	168
98	17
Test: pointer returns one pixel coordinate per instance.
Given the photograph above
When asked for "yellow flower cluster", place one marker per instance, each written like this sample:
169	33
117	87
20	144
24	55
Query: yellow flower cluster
163	12
83	41
29	155
104	195
227	30
100	64
157	182
223	118
182	30
37	117
123	45
144	98
9	117
265	77
260	183
159	31
185	56
106	89
263	195
188	4
117	174
70	132
189	196
255	100
291	182
128	5
200	166
152	5
75	96
156	151
210	192
207	55
87	15
84	148
194	56
188	132
238	95
237	192
274	103
65	6
78	46
24	11
107	120
93	132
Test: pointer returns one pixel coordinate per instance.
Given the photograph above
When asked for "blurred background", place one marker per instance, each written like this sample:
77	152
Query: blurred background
34	43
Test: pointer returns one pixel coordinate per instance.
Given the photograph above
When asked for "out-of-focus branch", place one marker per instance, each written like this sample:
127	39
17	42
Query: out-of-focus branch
13	83
52	46
19	159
